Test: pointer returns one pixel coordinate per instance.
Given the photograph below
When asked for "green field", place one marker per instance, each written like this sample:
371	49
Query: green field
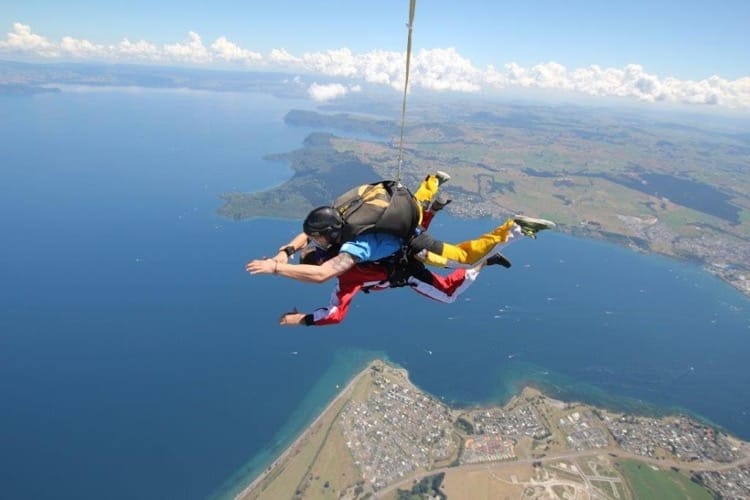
663	187
647	483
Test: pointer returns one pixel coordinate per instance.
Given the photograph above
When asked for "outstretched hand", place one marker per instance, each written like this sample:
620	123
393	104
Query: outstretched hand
292	318
261	266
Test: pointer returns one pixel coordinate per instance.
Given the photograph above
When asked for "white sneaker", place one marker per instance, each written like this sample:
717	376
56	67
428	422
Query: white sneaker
530	225
442	177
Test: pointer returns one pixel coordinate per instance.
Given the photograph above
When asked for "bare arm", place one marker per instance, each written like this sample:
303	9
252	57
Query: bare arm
292	318
303	272
298	243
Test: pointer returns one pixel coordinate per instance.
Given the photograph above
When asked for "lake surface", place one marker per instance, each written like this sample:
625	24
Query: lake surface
139	360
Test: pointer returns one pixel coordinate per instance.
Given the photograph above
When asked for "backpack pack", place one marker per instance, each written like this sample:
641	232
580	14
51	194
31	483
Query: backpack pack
383	207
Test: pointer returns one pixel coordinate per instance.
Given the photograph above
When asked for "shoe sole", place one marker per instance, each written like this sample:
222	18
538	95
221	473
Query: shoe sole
534	223
500	260
442	177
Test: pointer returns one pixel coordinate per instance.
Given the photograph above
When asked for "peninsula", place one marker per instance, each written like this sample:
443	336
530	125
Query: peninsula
382	437
650	183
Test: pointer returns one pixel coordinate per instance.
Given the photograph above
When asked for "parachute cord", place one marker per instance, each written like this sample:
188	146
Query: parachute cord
412	5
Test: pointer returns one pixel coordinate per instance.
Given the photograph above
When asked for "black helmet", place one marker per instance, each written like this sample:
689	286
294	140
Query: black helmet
324	221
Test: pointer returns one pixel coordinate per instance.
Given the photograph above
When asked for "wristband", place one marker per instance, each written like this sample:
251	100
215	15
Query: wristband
289	250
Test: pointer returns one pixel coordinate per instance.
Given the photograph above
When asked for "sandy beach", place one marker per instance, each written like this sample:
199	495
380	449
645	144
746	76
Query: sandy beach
281	459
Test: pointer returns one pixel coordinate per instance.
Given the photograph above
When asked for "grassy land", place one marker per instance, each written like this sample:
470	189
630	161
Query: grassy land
319	466
632	181
645	482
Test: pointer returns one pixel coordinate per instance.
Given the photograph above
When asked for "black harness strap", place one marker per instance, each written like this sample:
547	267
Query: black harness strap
401	266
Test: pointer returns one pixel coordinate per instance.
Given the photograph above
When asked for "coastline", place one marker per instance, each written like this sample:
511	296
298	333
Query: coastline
294	445
576	434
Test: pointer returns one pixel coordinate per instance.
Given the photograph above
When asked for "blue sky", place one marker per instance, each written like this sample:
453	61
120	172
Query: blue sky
658	50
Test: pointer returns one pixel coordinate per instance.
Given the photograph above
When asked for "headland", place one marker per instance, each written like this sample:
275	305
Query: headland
651	185
382	437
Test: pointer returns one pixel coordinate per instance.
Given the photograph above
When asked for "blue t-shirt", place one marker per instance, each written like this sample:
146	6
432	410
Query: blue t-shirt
372	246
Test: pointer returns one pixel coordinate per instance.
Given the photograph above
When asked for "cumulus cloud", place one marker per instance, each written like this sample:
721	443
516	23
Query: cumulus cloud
140	50
339	62
282	57
441	69
224	49
445	69
193	51
82	49
318	92
21	39
633	81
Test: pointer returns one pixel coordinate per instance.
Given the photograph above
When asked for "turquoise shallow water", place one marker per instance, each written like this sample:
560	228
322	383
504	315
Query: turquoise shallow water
138	358
581	320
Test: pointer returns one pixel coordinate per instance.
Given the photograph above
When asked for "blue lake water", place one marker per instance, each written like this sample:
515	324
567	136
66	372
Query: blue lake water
139	360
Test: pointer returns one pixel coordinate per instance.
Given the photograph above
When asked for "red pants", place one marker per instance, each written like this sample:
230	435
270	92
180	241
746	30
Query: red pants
375	277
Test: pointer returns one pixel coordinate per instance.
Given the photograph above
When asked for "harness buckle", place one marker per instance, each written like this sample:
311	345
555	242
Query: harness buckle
404	259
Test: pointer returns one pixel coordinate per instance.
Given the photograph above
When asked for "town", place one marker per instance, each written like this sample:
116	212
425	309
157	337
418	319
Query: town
399	432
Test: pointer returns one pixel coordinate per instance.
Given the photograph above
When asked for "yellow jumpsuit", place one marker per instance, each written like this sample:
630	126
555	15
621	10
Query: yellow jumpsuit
466	253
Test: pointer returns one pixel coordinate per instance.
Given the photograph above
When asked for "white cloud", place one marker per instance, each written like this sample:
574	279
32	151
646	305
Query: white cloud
224	49
193	51
82	49
384	68
551	76
339	62
140	50
21	39
328	92
442	69
282	57
629	82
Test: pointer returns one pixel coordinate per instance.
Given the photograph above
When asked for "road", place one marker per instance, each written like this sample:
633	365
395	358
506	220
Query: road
406	482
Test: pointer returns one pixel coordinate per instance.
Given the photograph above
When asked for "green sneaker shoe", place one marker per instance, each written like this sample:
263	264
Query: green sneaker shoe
530	226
